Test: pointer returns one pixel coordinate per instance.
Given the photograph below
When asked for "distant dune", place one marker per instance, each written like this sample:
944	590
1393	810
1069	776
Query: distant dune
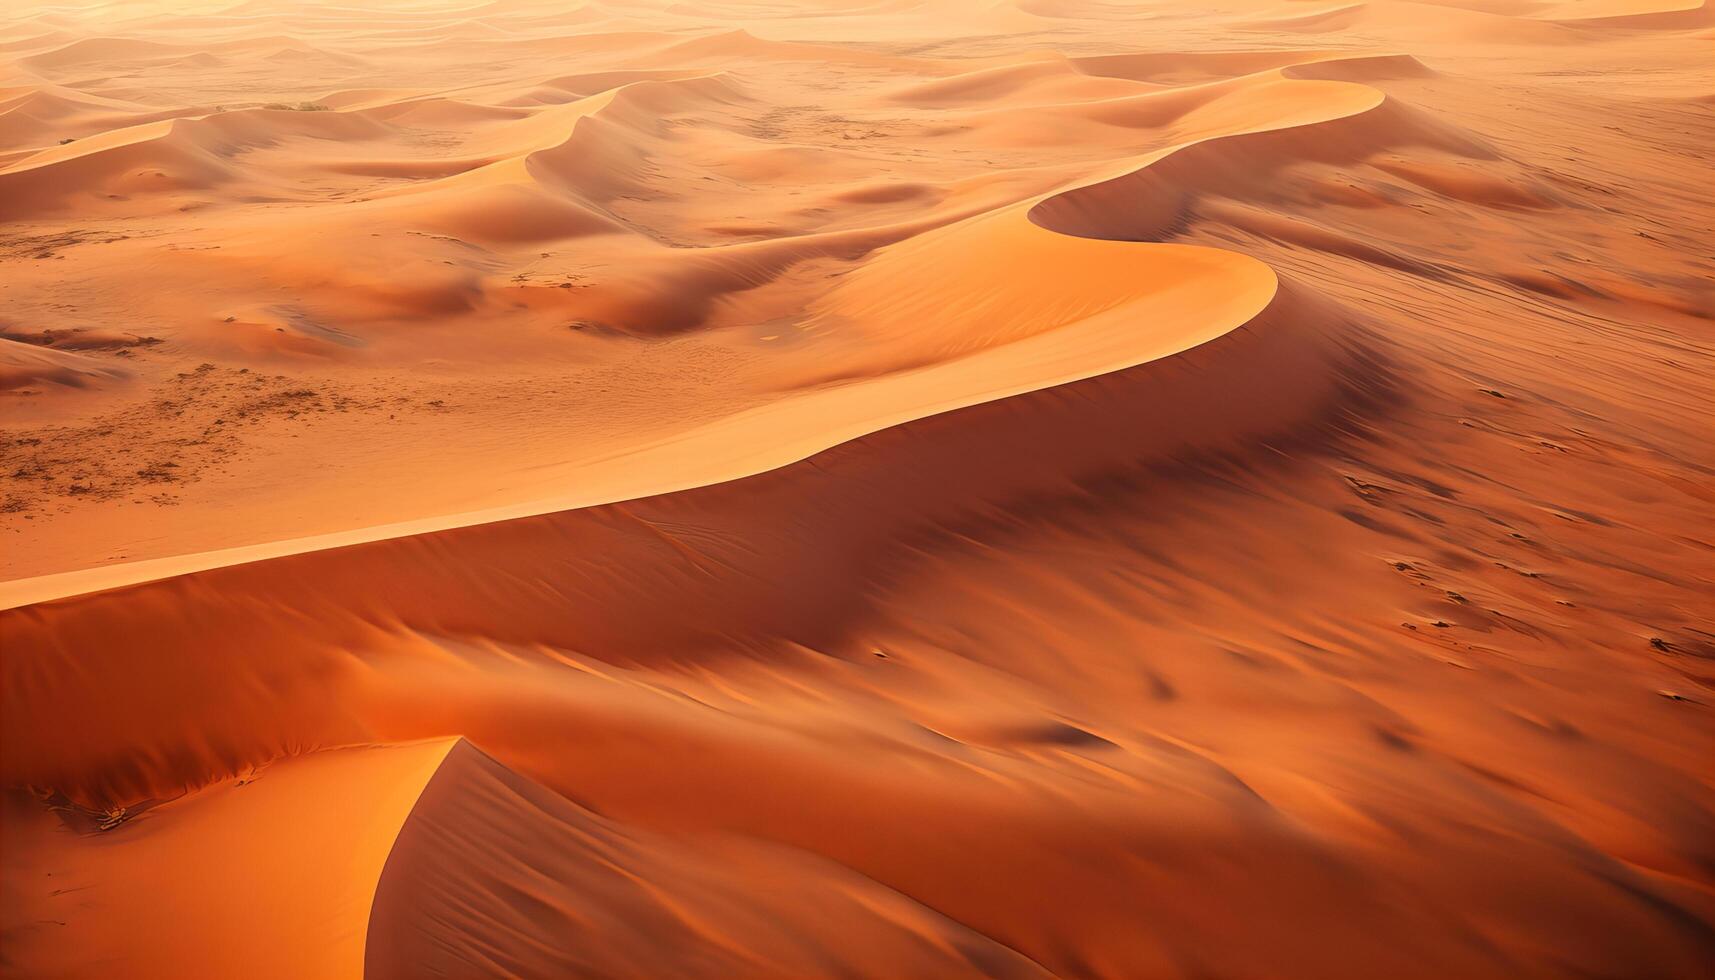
909	489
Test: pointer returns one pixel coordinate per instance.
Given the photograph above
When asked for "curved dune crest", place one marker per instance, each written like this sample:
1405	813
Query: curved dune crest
494	874
1629	14
1059	358
1443	23
813	421
1050	80
937	469
911	372
157	157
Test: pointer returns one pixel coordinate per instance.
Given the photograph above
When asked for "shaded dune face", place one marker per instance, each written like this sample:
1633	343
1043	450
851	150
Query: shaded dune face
930	489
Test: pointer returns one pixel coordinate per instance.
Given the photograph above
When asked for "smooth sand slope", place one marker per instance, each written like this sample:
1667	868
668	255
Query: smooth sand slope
942	488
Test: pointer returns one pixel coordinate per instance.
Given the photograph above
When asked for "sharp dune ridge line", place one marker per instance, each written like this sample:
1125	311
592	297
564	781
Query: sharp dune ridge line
922	488
778	451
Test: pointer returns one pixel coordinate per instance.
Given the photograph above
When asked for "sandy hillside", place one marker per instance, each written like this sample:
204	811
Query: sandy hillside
911	488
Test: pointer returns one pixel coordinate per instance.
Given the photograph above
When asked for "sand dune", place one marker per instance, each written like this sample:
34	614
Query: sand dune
944	488
438	831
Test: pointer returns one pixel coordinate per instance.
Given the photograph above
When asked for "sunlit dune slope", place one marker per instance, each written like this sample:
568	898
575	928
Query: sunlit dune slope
285	881
335	865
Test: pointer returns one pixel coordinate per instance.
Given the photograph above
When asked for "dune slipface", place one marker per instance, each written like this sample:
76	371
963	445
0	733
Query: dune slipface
896	490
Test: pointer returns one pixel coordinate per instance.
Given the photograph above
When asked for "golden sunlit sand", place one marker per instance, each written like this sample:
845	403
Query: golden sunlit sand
893	489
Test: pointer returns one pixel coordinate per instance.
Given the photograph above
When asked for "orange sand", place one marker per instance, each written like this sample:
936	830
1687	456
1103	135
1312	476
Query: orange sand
945	487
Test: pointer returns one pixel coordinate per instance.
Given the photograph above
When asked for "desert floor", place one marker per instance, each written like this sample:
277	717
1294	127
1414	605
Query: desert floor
911	488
